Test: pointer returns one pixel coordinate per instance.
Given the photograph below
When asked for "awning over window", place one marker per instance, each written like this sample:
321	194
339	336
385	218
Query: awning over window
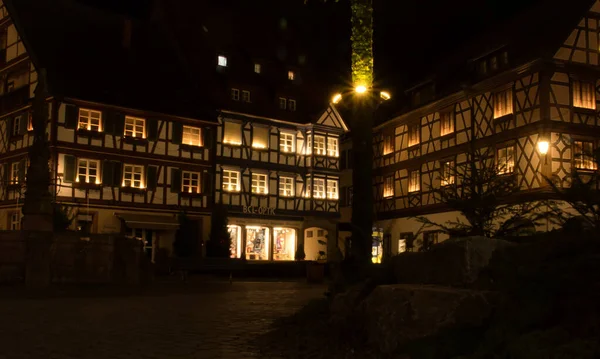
145	221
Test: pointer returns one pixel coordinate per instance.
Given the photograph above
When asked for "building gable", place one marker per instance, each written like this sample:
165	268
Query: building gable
581	46
332	118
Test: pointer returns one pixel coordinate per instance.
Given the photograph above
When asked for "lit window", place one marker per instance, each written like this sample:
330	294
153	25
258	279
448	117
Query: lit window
260	137
14	173
259	183
231	181
332	189
503	103
332	147
494	63
447	173
88	171
257	68
388	145
245	96
388	187
308	187
133	176
292	105
308	146
16	122
413	134
291	75
191	136
222	61
30	122
235	94
506	160
447	123
318	188
15	221
584	155
583	95
286	186
284	246
282	103
232	133
134	127
414	181
319	145
89	120
190	182
286	142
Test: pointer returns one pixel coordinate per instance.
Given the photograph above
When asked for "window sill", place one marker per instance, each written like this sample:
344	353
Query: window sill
583	110
448	136
90	186
260	194
502	119
191	195
88	133
135	140
133	190
231	192
191	148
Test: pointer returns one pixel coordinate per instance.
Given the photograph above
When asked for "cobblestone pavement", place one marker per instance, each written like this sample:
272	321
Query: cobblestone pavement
210	320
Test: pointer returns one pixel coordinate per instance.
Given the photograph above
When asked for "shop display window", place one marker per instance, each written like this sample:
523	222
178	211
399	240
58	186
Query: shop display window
284	244
235	234
257	243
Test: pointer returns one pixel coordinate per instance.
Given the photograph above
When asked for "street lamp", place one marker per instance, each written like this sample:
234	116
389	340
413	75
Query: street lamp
360	89
543	147
337	98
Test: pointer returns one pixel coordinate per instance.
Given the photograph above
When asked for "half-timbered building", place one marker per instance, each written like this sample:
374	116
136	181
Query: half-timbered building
126	155
528	91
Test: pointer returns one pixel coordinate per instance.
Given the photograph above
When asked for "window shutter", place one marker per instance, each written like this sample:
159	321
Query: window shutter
343	194
151	129
9	125
175	180
23	124
117	174
151	178
108	174
108	125
177	135
71	116
206	182
21	173
343	161
208	137
119	124
6	168
69	171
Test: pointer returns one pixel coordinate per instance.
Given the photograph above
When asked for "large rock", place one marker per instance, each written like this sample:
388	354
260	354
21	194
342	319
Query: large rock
398	314
455	262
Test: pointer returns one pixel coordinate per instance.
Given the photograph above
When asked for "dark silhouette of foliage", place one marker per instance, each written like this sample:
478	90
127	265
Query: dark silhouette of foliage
62	217
219	243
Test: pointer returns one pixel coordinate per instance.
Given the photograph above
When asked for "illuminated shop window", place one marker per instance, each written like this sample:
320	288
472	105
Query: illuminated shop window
235	234
284	246
257	243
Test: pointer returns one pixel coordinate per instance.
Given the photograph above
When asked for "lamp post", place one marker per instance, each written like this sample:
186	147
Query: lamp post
543	146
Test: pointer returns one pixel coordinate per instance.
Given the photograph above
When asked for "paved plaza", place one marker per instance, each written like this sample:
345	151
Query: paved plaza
178	320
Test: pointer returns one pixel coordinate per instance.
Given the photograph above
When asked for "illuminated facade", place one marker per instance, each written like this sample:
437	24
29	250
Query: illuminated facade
537	114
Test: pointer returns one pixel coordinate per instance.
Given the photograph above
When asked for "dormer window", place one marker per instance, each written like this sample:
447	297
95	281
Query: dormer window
235	94
257	68
245	96
584	95
222	61
291	75
503	103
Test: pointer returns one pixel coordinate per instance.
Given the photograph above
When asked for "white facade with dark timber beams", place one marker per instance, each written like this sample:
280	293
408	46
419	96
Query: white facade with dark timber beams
279	182
518	110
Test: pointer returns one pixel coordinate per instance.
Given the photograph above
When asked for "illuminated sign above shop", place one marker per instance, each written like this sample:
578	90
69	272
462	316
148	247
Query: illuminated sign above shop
259	210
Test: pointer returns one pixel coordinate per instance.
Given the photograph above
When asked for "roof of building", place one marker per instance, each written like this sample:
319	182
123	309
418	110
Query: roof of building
83	51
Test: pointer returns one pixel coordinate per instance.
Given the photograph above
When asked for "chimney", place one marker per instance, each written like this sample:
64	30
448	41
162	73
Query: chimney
127	30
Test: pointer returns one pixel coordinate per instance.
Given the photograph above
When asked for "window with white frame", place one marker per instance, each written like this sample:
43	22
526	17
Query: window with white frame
282	103
388	187
16	123
232	133
260	137
506	160
14	173
332	189
414	137
318	188
414	181
447	173
291	105
88	171
503	103
291	75
308	187
90	120
286	186
222	61
257	68
190	182
135	127
332	147
584	155
245	96
235	94
15	221
192	136
319	145
446	123
231	180
584	95
308	145
286	142
259	183
133	176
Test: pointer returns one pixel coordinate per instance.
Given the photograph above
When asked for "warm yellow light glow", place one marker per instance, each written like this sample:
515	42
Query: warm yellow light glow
259	145
543	147
337	98
360	89
230	142
385	95
97	181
